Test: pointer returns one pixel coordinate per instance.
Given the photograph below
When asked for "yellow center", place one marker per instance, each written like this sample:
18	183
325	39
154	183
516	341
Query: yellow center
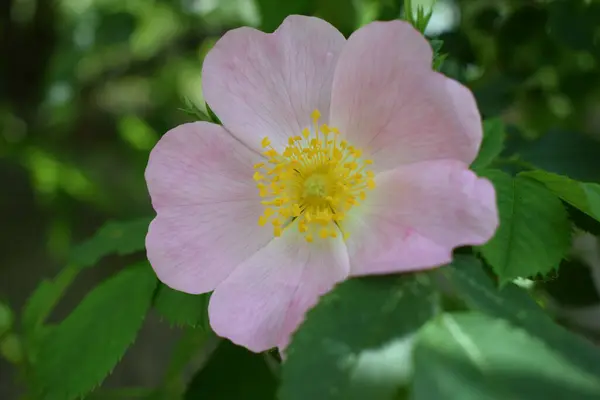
316	180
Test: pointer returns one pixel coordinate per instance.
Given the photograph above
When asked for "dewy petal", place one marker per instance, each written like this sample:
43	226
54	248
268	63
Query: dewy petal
268	84
264	300
387	100
200	181
418	214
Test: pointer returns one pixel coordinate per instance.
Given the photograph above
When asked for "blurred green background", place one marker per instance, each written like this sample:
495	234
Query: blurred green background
87	87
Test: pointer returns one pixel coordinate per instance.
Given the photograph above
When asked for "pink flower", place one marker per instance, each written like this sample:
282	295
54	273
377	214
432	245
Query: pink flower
336	158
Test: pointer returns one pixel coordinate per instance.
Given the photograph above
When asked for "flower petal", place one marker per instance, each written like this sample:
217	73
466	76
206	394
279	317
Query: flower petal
418	214
269	84
264	300
388	101
200	181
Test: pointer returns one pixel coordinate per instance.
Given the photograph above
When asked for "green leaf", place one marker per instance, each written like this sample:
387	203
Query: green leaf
194	111
534	233
44	298
470	356
356	343
472	284
114	237
493	143
182	309
211	114
516	306
80	352
438	57
339	13
233	373
273	12
584	196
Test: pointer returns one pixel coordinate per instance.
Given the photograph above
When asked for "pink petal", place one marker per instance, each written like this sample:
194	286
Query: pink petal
269	84
418	214
264	300
388	101
200	181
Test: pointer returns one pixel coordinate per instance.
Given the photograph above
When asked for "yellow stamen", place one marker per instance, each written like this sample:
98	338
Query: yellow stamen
312	182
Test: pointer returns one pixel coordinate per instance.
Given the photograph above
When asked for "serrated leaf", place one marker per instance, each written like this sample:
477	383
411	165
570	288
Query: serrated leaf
356	343
84	348
233	373
516	306
581	195
182	309
493	143
534	233
113	237
471	356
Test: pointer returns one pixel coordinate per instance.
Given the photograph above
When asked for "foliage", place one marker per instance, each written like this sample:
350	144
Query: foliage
84	348
91	87
534	233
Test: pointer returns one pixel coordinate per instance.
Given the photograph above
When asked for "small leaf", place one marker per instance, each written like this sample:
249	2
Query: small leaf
233	373
193	110
113	237
211	114
80	352
470	356
583	196
356	343
516	306
438	57
492	145
534	233
182	309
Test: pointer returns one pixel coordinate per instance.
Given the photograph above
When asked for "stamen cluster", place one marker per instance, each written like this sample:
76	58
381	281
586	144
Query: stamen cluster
316	180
